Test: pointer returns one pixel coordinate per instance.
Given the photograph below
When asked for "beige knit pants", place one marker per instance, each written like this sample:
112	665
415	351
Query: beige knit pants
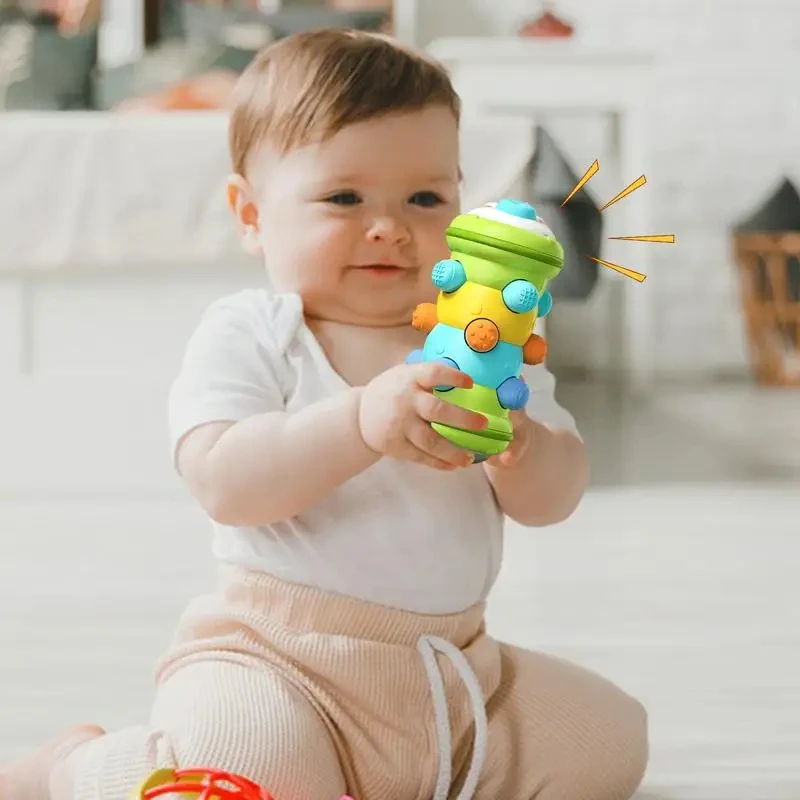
313	696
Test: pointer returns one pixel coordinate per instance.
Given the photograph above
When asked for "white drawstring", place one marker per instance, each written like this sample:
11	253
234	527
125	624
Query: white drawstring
427	646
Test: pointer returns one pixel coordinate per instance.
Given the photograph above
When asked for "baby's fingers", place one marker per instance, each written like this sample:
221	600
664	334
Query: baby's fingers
435	409
432	444
421	457
431	374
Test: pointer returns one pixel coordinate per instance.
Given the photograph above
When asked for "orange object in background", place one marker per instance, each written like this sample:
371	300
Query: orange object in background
209	92
547	26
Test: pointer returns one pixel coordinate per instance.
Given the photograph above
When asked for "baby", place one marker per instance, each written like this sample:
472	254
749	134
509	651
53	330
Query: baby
344	648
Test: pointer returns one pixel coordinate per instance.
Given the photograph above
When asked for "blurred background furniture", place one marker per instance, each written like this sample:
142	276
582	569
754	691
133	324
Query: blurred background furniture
43	68
193	51
766	247
102	54
768	265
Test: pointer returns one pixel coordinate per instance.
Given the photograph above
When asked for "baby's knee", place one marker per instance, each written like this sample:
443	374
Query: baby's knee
626	751
614	751
253	724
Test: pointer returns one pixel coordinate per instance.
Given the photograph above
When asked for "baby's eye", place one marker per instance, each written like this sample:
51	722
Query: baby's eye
343	199
426	199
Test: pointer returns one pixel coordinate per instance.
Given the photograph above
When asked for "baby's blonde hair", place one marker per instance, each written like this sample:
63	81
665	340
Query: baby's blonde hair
309	86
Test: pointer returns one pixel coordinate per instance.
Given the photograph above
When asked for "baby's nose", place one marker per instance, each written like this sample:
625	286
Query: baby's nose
387	229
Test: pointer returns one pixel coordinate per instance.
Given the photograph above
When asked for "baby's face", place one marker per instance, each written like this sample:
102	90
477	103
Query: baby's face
355	224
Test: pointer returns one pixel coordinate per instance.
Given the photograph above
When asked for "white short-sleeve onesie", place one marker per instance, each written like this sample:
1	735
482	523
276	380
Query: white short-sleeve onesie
398	534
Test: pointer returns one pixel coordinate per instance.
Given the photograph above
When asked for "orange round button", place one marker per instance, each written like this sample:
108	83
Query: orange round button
482	335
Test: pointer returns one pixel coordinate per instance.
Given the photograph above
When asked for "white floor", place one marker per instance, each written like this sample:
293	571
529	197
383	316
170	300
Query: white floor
689	598
687	594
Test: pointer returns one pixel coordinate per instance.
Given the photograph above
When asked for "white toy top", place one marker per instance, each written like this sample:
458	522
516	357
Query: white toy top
516	213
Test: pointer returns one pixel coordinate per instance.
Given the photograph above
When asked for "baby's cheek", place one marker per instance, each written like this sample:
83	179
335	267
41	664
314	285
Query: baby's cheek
442	252
333	239
426	291
435	246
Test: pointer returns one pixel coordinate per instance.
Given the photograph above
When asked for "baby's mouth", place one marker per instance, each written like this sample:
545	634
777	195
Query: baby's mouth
381	270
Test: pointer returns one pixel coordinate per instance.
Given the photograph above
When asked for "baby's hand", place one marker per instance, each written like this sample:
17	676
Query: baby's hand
523	433
398	406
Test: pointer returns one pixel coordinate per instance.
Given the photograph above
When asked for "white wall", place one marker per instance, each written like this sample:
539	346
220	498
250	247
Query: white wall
724	127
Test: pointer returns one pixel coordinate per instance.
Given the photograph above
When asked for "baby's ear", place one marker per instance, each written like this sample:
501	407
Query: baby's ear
242	203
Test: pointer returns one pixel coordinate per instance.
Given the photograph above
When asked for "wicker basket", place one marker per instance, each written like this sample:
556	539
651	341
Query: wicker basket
769	269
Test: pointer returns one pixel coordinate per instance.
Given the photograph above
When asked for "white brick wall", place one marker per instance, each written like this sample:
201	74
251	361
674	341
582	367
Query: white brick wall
725	127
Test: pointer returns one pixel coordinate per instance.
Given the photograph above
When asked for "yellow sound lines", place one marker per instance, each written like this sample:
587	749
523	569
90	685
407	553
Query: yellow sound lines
665	238
629	273
637	184
587	176
662	238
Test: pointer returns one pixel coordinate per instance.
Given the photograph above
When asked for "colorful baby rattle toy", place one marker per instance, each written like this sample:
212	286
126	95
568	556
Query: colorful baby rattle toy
200	783
492	290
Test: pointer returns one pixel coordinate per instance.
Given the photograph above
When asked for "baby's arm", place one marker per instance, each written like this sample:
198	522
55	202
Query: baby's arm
545	483
274	465
245	459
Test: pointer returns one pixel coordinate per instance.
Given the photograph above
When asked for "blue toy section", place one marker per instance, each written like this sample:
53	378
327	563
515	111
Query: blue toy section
486	369
513	393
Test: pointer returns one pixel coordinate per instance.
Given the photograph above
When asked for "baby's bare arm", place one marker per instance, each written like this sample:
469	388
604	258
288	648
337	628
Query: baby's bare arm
273	466
544	485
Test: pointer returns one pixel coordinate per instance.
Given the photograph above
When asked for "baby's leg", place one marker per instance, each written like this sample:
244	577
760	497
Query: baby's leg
216	714
557	731
29	778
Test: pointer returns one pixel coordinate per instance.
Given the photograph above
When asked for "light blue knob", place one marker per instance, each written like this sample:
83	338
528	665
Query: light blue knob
520	296
513	394
545	304
448	275
517	208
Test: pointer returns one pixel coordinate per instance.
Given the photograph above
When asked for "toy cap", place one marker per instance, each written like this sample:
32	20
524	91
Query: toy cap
517	208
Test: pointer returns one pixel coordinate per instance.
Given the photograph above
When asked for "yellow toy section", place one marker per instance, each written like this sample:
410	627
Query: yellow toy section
473	302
